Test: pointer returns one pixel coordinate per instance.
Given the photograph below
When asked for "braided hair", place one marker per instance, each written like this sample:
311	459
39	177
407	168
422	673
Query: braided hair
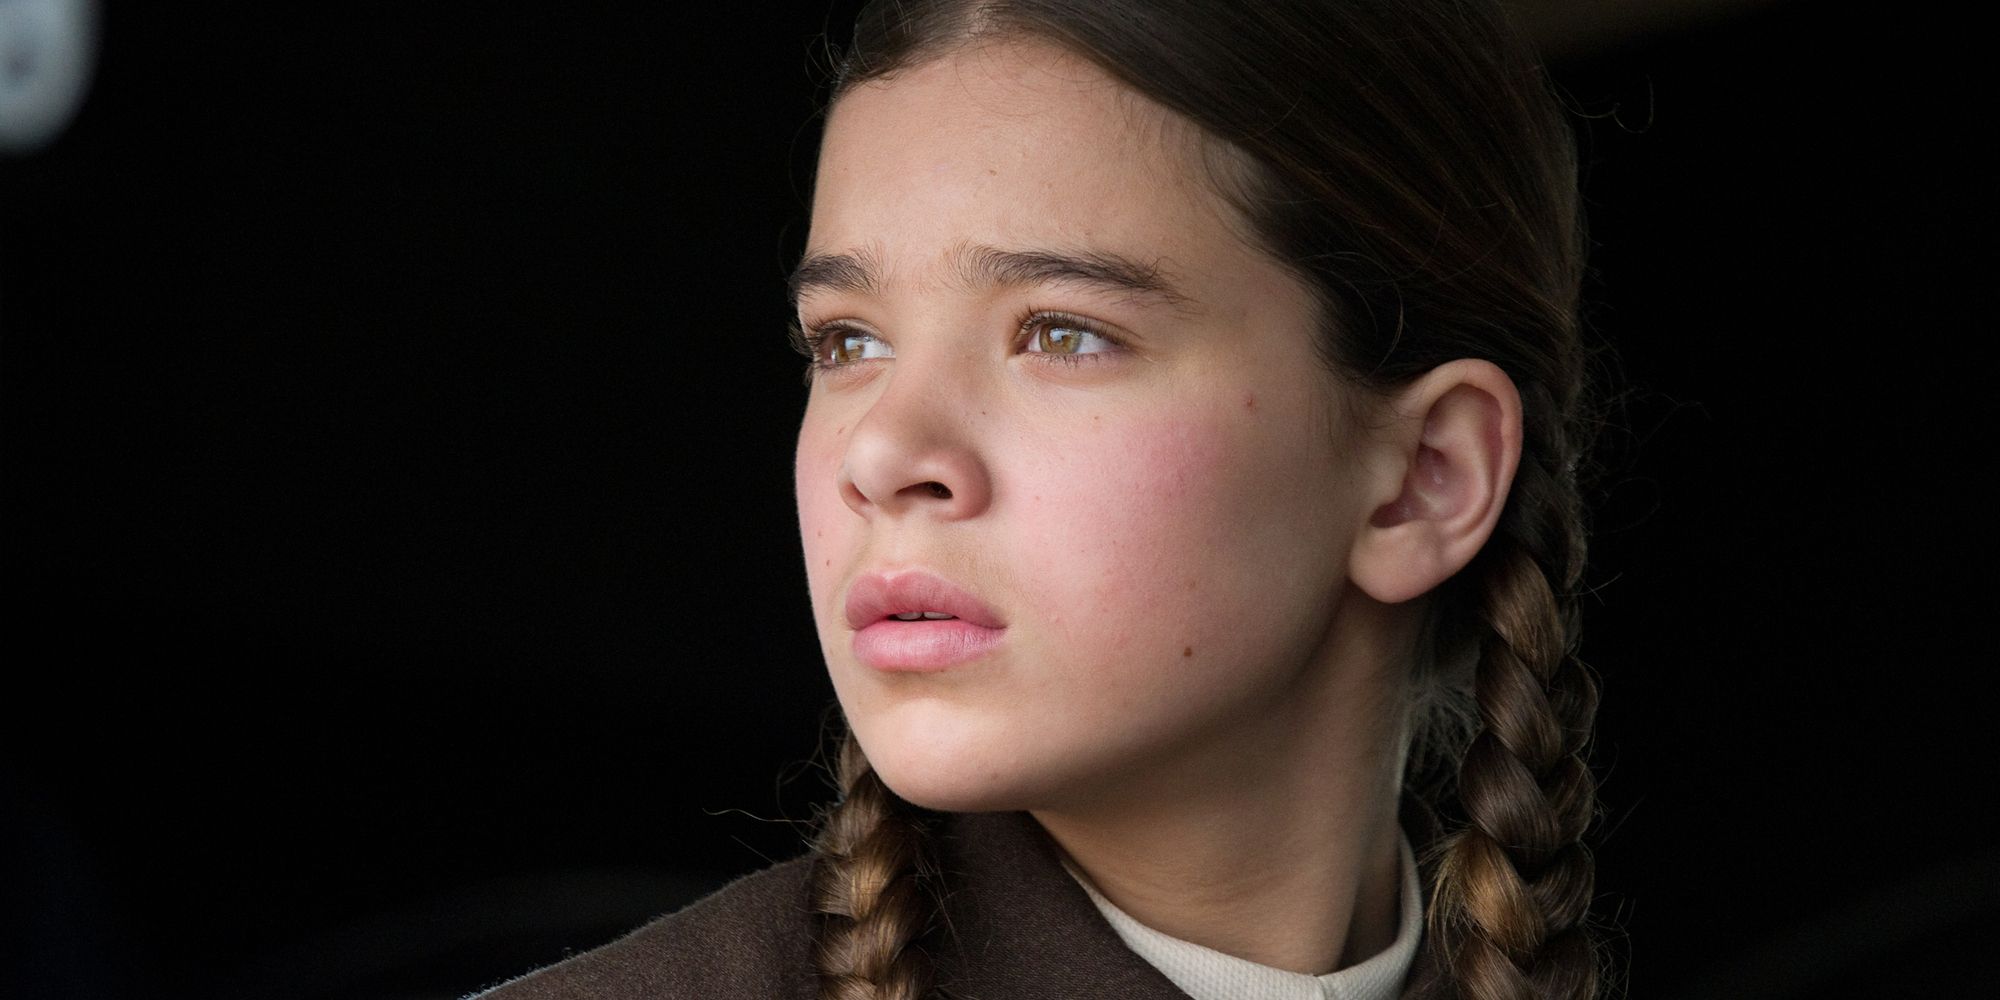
867	892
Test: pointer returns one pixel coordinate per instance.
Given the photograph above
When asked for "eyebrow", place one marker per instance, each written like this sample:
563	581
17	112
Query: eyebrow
840	272
988	266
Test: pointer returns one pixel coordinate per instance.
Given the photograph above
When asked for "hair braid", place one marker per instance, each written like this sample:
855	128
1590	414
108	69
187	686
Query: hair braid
873	856
1512	888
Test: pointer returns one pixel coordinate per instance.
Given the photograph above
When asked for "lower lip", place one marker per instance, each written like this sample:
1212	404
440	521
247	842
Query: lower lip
922	646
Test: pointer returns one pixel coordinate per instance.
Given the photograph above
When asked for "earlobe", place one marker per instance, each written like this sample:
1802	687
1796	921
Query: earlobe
1448	459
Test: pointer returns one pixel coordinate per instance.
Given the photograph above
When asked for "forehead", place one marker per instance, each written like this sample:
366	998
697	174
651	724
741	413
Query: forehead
1016	144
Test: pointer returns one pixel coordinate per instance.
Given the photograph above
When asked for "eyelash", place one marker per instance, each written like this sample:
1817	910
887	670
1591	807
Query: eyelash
810	340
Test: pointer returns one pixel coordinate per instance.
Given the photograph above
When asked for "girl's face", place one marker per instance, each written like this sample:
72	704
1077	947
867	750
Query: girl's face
1058	380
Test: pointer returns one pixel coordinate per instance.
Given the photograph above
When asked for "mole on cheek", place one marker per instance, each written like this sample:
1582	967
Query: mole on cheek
1187	651
1249	400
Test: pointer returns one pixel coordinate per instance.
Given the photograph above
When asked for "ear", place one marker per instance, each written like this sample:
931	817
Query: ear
1440	472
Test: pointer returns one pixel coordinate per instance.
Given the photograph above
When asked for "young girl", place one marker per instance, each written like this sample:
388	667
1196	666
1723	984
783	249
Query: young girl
1187	492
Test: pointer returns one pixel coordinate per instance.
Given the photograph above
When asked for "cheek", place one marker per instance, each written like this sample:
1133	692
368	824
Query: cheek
1121	531
824	519
1182	558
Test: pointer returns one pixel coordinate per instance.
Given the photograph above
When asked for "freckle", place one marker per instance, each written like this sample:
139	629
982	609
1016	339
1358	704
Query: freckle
829	562
1249	400
1187	650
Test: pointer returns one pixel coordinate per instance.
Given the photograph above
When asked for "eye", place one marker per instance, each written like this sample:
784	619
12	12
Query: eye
1064	336
847	346
835	345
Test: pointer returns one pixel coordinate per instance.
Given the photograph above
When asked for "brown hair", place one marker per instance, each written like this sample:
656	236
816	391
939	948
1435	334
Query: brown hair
1412	167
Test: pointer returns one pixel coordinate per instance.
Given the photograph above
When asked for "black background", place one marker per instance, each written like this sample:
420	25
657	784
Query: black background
402	574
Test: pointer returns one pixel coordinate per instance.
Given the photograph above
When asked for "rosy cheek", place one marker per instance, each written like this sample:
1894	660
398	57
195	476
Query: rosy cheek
823	516
1122	528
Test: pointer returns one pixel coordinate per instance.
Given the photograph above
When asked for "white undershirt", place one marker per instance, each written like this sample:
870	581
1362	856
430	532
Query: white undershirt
1206	974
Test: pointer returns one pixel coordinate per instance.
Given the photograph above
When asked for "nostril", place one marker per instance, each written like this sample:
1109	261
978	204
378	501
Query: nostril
939	490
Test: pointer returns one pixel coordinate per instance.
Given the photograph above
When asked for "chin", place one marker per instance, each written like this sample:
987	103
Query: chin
949	768
950	795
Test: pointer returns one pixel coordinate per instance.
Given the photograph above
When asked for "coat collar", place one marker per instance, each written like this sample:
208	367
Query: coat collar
1018	925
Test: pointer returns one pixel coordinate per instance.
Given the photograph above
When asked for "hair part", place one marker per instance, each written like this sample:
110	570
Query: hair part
1411	166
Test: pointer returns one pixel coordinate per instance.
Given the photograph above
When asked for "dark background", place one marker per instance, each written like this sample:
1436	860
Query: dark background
401	576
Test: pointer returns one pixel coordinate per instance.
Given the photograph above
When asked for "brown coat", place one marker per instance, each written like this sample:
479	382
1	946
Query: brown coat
1024	931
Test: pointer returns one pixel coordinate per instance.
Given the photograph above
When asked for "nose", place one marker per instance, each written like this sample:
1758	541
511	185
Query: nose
916	452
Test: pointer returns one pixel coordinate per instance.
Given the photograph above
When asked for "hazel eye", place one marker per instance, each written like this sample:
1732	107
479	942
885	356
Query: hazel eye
1062	335
847	346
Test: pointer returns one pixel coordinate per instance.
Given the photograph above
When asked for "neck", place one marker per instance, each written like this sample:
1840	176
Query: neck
1296	867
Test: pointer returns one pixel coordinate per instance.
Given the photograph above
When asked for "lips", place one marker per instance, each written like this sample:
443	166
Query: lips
913	622
878	597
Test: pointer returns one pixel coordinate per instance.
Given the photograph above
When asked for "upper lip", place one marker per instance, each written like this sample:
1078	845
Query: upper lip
876	596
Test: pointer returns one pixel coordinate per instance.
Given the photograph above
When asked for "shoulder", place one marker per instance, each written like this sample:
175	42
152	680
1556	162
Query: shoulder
752	938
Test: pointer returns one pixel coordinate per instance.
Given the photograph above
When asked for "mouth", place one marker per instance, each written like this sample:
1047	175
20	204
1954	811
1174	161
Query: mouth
917	622
914	596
